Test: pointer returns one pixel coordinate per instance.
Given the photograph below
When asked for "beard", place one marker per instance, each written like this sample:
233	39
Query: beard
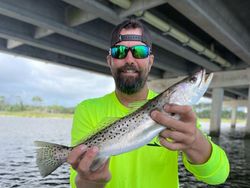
130	84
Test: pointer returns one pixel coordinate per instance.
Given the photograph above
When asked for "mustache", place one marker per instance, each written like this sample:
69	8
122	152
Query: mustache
127	67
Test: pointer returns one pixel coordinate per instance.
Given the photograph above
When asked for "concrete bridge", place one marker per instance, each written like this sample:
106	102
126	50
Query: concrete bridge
187	35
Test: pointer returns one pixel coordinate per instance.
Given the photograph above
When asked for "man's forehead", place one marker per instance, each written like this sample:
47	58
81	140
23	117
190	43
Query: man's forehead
131	35
136	31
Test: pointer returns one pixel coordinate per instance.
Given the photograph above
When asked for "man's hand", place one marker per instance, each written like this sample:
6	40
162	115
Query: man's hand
81	158
182	134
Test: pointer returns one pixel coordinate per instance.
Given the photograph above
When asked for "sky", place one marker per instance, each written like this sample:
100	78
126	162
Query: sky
23	78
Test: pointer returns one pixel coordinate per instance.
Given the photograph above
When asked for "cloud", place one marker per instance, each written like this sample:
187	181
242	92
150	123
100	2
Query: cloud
24	78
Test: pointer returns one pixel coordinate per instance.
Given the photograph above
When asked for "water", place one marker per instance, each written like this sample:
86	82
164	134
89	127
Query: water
17	154
238	152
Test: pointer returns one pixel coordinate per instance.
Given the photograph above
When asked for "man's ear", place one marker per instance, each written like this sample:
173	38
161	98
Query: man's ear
151	61
109	61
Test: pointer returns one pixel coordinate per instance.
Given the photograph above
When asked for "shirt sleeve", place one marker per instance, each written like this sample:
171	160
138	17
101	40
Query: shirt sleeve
214	171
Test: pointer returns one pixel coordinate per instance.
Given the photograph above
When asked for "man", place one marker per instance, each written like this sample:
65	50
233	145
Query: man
130	60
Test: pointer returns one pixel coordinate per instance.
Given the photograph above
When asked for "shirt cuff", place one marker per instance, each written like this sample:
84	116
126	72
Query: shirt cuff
214	171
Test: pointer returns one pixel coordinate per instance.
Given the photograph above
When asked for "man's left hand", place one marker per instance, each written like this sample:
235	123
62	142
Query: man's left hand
182	134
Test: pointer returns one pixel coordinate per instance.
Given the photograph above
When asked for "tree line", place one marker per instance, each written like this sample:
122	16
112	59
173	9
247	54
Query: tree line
203	110
36	106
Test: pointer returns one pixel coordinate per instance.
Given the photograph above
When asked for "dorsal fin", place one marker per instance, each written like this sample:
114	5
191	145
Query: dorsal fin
100	126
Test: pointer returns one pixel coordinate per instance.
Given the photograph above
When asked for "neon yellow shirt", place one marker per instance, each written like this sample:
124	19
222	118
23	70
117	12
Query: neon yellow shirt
148	166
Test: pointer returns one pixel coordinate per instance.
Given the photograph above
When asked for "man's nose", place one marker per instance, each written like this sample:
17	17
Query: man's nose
129	58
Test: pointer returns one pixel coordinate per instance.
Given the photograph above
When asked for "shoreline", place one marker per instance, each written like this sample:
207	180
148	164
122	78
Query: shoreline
36	115
69	116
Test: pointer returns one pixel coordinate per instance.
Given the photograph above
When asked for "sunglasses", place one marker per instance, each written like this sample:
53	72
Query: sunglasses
138	51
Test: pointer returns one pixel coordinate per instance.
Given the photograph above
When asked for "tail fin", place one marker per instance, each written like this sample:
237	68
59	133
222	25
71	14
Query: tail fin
50	156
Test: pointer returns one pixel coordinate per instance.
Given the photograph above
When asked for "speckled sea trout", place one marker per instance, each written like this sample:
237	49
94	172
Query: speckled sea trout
129	132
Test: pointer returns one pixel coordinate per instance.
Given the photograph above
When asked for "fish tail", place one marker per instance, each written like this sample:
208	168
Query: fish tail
50	156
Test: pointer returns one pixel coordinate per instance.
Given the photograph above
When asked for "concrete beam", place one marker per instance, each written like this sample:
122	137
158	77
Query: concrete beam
96	8
230	103
75	16
46	15
52	57
140	5
223	79
215	120
13	43
231	78
238	92
216	20
14	30
183	52
42	32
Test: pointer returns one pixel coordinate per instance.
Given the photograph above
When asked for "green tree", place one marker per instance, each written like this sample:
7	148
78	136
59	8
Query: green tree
2	102
37	100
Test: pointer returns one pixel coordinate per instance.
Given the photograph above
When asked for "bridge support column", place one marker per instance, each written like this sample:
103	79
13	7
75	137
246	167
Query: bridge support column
234	115
215	121
247	135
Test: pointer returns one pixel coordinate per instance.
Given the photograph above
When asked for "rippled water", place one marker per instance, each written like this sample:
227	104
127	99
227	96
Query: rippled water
17	154
17	159
238	152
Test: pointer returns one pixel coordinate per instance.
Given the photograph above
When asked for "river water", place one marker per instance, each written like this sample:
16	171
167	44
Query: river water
17	154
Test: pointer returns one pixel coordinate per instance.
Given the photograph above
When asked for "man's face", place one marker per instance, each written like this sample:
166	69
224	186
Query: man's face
130	74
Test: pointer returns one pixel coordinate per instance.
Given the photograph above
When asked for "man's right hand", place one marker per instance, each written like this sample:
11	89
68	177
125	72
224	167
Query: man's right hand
81	158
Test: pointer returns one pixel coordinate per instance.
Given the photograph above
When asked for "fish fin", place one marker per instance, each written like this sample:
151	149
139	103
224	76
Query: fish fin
50	156
137	104
98	163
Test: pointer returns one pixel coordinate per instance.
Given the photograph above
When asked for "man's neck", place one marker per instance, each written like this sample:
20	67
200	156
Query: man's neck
126	99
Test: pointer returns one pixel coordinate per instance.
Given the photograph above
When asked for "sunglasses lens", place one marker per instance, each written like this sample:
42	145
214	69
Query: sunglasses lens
140	51
119	52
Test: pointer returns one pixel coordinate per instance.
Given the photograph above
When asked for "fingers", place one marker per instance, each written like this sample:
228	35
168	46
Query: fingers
187	116
178	137
172	145
173	135
86	161
180	133
180	109
81	157
75	155
169	122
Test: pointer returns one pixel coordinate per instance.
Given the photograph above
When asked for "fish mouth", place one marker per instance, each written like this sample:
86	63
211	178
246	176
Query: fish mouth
206	78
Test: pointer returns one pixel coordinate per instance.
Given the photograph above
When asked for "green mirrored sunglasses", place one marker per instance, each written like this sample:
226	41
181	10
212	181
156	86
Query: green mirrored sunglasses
138	51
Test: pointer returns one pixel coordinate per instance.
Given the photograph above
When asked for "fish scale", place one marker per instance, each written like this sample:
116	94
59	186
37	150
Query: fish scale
129	132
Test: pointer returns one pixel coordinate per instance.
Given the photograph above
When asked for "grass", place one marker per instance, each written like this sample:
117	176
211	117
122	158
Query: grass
36	114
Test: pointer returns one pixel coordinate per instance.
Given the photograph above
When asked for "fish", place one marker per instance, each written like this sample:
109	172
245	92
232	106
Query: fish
129	132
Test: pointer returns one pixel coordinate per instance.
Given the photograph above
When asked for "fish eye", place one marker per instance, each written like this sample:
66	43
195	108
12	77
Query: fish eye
193	79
